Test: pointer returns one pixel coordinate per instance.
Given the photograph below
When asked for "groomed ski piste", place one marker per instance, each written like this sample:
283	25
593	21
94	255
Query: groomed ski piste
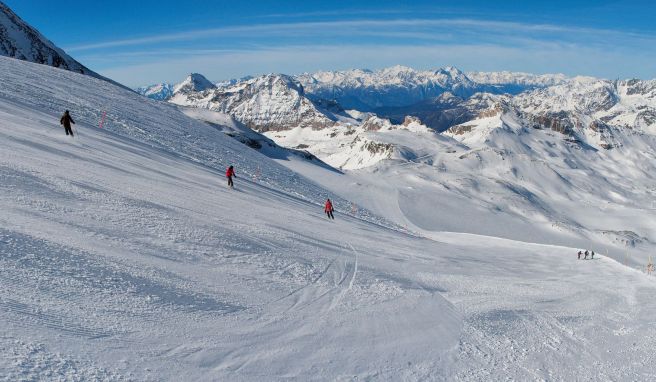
124	256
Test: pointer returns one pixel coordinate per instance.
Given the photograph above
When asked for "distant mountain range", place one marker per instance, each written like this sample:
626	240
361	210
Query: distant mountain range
398	86
586	111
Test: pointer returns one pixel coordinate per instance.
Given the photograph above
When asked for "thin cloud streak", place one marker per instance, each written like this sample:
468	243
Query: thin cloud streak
367	28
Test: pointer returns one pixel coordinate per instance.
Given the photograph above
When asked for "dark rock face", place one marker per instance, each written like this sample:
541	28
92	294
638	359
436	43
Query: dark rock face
460	129
561	122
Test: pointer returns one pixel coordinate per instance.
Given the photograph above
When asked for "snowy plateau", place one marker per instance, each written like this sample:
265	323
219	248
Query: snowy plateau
461	202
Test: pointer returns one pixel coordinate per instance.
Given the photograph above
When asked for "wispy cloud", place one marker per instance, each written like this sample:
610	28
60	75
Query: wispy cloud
291	47
426	29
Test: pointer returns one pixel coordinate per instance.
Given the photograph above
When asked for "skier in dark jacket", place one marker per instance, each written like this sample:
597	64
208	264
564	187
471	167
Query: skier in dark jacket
230	172
66	120
580	253
328	209
586	253
592	255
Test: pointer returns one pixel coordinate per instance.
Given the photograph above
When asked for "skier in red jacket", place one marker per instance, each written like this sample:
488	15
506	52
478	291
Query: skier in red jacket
230	172
329	209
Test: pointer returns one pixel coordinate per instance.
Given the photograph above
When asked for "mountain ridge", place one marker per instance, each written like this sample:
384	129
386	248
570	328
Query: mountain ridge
21	41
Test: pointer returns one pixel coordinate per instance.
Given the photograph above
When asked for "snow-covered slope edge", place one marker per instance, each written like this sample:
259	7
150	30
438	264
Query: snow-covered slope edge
21	41
250	138
128	114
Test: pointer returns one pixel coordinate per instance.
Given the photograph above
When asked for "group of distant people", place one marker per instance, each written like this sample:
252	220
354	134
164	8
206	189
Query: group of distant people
586	254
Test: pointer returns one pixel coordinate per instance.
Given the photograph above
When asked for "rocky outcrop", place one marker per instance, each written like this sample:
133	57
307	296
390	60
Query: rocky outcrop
374	123
409	119
460	129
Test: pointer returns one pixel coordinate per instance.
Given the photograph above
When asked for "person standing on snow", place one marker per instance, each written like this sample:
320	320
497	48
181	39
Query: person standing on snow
230	172
592	255
66	121
328	209
586	254
580	253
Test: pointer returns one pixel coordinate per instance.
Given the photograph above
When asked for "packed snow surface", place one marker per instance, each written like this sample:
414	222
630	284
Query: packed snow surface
124	256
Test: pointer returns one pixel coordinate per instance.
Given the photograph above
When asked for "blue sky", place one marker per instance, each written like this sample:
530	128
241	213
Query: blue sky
151	41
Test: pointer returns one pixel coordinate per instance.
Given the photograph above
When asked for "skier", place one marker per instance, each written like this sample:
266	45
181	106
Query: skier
230	172
66	121
592	255
580	253
586	254
329	209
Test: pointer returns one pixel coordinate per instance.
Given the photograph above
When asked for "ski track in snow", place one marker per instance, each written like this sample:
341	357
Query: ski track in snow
125	257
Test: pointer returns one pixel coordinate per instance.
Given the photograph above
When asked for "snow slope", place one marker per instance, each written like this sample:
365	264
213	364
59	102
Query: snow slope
250	138
146	252
355	146
156	124
495	176
124	257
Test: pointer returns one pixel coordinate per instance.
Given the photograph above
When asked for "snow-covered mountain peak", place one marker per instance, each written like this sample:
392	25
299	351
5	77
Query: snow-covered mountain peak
232	81
513	81
583	94
160	92
272	80
399	71
452	72
632	87
267	102
195	82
